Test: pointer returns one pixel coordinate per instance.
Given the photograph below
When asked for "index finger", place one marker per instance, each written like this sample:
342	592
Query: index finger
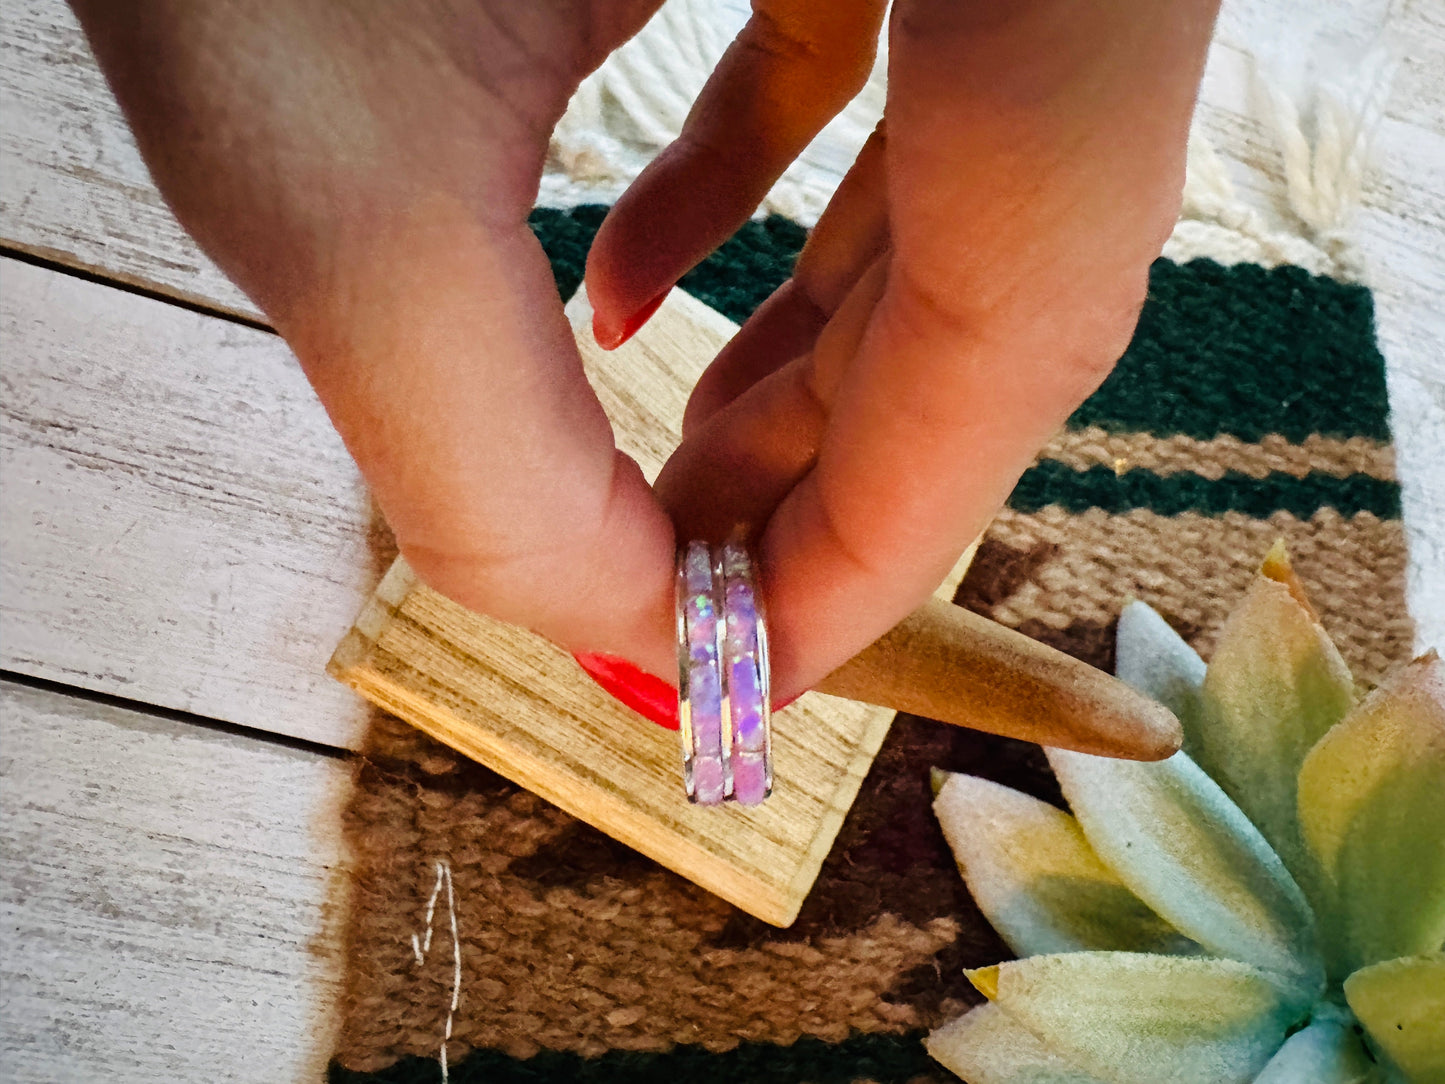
1033	172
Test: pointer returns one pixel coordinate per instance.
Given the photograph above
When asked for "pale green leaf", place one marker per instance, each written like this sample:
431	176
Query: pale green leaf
1153	658
1186	850
1035	877
1274	686
1372	810
1326	1052
1402	1005
985	1046
1139	1019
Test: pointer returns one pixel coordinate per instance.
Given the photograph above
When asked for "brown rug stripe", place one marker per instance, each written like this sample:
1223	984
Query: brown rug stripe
1052	571
574	942
571	941
1093	446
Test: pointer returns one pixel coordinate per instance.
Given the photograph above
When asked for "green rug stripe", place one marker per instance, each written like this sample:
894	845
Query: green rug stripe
884	1059
735	279
1244	350
1051	482
1247	350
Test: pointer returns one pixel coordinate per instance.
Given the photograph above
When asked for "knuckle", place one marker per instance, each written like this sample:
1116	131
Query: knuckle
837	56
1100	336
1118	316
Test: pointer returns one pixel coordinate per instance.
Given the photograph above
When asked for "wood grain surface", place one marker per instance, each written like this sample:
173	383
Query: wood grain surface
74	188
521	706
181	526
168	900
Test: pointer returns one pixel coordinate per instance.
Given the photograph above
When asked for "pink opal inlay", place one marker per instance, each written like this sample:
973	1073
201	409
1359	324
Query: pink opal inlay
709	781
722	656
750	779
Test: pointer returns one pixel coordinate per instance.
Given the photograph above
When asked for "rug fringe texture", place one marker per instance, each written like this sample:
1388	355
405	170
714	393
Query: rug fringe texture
1323	132
1320	125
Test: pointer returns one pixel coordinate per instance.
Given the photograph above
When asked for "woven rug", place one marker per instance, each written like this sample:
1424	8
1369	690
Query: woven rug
1251	406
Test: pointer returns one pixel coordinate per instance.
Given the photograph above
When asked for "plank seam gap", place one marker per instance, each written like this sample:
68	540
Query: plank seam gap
205	722
85	274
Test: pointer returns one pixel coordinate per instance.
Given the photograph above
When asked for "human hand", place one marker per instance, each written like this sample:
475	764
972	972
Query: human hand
974	278
364	172
367	181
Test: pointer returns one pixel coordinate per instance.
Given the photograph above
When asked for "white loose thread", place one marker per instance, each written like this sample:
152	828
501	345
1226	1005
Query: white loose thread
420	946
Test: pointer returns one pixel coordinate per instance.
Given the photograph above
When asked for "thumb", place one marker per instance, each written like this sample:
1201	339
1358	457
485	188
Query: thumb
443	358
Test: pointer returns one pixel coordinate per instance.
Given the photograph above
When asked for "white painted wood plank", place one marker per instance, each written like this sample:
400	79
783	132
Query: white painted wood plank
73	186
165	900
181	525
1411	329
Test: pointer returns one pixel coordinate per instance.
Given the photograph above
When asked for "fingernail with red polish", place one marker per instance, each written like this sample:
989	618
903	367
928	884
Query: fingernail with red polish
644	693
610	341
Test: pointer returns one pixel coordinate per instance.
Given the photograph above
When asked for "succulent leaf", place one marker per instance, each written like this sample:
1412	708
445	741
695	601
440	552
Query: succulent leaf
1275	685
1174	837
1140	1019
1298	840
1372	810
1035	877
1276	566
985	1046
1153	658
1402	1005
1326	1052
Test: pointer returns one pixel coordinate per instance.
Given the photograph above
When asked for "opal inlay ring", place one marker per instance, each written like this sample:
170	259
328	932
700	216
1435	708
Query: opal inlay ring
722	658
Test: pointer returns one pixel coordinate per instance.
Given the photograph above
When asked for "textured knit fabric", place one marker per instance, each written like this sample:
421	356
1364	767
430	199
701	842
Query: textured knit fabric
1251	406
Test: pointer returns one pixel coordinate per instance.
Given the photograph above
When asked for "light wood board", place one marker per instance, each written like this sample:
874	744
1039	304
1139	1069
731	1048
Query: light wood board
181	525
170	902
521	706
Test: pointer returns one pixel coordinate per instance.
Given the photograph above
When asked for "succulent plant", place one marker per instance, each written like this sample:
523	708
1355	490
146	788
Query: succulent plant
1266	905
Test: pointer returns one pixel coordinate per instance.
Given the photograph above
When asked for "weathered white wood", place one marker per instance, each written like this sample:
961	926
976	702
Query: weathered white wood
181	525
170	899
73	186
518	704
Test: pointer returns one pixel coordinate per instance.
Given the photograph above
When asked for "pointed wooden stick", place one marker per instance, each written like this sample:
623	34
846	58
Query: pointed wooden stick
948	663
943	661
